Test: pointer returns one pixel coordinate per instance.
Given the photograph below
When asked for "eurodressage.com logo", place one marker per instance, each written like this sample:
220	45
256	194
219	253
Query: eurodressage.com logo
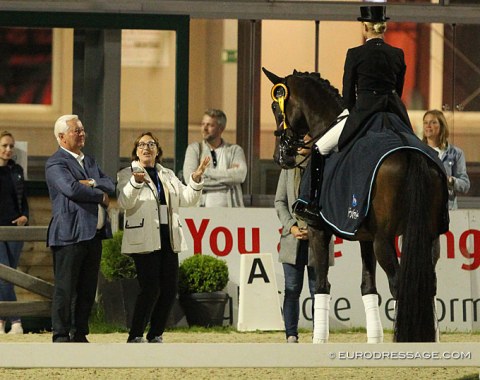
400	355
352	213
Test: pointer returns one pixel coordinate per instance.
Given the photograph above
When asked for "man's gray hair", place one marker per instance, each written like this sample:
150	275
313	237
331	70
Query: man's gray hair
61	125
218	115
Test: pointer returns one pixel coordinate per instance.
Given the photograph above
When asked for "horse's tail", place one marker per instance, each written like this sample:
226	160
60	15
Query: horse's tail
415	319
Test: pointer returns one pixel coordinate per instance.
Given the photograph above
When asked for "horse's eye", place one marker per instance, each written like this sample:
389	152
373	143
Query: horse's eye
274	106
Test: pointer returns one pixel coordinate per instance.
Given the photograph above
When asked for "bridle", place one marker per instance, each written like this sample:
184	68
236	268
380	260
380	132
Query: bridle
290	140
288	136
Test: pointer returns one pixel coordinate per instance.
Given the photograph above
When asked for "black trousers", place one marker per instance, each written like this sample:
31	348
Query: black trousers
157	274
76	275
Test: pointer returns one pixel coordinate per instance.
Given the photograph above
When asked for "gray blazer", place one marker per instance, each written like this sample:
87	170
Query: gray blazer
285	196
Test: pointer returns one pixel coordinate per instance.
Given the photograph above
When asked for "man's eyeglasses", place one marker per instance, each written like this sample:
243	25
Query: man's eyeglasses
150	145
214	158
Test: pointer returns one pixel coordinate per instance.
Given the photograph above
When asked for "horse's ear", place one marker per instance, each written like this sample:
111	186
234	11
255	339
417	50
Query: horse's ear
273	78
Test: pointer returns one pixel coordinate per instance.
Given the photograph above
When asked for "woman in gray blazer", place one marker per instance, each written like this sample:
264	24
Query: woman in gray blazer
294	252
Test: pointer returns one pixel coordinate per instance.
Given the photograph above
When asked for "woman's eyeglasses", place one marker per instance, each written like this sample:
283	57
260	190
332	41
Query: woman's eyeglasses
150	145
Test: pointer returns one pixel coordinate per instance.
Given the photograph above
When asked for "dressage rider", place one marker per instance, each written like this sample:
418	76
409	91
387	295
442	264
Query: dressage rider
373	81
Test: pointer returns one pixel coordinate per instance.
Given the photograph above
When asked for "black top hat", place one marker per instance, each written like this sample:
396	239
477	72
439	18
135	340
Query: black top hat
374	13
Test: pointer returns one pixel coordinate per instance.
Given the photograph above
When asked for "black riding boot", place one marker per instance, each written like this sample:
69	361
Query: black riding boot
307	206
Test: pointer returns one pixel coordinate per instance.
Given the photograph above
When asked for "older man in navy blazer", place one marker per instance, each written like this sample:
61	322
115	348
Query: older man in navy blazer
79	194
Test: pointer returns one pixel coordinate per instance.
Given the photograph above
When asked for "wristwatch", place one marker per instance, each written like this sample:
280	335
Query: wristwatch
91	182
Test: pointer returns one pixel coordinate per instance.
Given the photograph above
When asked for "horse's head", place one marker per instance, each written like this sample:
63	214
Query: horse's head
289	135
302	103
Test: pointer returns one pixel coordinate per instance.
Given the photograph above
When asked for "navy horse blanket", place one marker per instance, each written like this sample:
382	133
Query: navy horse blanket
349	175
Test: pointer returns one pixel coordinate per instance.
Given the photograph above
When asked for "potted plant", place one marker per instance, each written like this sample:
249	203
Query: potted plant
118	287
201	282
115	265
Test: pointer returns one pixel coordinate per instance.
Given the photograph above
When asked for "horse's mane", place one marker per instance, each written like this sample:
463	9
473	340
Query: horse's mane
324	83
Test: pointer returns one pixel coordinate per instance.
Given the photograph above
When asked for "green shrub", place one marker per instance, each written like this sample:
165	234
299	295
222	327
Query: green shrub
202	274
114	265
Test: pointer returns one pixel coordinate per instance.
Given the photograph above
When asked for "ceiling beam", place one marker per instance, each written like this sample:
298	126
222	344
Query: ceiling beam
256	9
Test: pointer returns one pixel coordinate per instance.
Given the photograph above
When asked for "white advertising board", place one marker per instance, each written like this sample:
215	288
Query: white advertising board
230	233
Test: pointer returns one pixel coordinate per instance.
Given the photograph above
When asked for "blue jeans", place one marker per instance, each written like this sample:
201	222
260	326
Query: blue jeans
9	255
293	288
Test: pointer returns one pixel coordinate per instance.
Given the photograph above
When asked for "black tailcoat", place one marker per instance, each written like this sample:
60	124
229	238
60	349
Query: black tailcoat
372	82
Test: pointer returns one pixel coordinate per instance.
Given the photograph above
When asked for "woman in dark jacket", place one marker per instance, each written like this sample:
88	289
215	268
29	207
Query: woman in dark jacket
373	81
373	76
13	212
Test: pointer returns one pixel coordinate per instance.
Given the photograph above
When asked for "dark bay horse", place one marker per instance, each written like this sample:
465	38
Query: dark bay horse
408	199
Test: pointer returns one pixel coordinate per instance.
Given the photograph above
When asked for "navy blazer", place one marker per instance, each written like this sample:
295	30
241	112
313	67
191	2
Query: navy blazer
74	206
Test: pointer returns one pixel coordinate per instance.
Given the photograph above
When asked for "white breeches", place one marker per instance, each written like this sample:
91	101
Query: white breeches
329	141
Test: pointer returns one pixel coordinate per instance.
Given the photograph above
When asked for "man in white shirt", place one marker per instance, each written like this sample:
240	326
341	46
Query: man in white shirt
228	168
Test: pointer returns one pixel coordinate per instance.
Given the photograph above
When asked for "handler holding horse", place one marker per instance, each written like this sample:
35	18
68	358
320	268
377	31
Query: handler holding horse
373	81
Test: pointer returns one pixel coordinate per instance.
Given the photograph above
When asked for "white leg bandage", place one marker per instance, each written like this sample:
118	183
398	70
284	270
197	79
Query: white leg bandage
372	313
320	318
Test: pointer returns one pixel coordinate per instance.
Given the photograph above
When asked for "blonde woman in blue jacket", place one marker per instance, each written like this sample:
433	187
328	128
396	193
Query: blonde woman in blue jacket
151	196
435	134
